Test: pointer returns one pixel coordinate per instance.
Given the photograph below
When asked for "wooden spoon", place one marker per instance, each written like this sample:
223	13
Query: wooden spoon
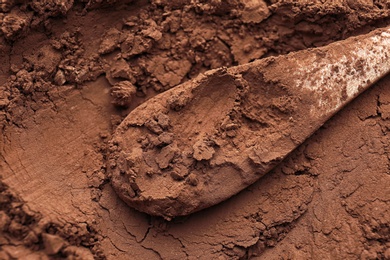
205	140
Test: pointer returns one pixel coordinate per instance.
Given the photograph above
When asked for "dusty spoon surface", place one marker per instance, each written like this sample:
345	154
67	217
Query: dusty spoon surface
203	141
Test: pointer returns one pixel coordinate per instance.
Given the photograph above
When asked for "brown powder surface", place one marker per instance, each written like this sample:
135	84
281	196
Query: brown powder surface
71	71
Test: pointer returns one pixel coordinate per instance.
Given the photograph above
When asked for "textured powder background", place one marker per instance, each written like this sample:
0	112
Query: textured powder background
70	72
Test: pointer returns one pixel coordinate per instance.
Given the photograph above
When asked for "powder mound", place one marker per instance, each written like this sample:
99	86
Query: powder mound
202	151
255	11
15	23
51	7
122	93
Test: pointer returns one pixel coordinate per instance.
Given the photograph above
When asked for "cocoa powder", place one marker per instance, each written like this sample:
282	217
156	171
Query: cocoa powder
59	67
